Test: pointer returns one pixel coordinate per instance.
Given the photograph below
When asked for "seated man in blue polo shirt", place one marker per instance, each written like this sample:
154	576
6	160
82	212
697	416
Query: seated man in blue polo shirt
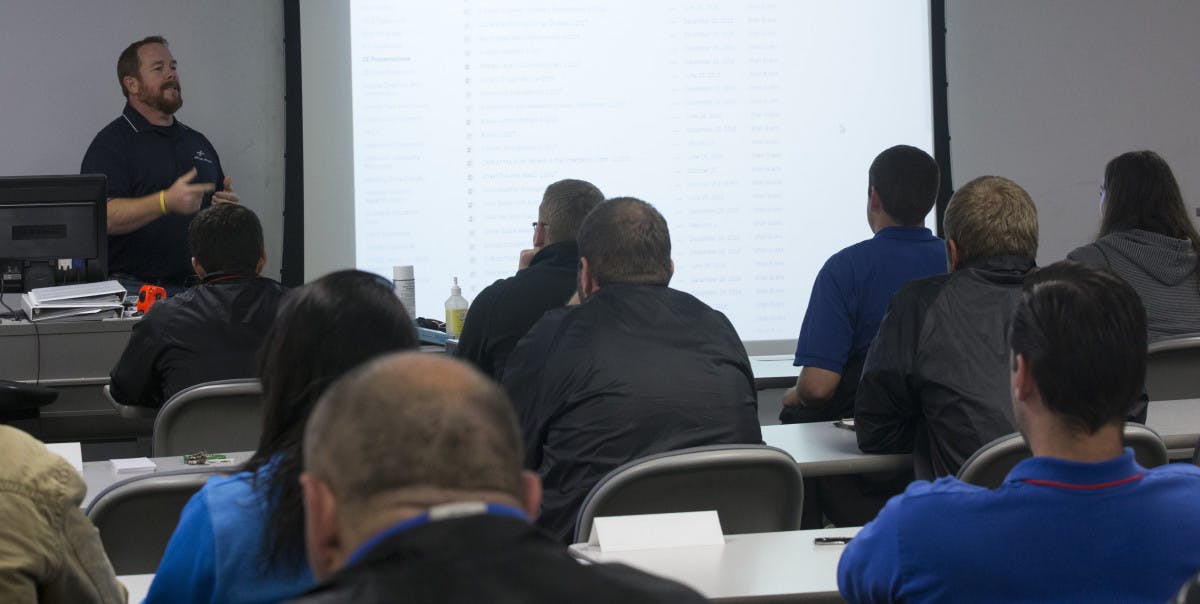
1081	521
851	292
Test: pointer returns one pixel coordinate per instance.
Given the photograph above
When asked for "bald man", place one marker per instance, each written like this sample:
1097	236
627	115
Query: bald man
414	491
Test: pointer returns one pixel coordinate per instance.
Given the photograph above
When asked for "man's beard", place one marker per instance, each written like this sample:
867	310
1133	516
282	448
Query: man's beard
162	103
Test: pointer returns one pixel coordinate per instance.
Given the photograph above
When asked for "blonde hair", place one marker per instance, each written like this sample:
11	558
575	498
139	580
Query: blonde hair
991	216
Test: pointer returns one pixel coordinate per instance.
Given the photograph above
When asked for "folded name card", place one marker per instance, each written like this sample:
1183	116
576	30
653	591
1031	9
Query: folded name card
70	452
133	464
653	531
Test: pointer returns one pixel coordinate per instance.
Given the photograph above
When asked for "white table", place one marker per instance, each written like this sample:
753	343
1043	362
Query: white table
138	586
759	566
773	371
99	475
822	449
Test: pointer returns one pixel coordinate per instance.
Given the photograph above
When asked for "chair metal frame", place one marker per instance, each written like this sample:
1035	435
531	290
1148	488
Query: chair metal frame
988	466
688	460
135	552
185	401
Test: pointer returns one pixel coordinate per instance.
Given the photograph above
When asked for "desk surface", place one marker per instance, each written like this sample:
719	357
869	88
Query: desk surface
757	565
138	586
99	475
821	449
773	371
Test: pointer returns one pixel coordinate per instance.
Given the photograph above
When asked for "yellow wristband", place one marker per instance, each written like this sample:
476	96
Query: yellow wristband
162	201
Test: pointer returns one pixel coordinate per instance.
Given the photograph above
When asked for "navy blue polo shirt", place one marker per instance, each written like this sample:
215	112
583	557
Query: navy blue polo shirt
852	291
1055	531
140	158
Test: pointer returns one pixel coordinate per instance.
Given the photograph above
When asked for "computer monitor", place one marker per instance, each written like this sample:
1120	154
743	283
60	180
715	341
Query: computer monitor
44	219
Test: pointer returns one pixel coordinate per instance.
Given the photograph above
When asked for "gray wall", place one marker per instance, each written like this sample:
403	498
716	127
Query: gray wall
1046	92
60	85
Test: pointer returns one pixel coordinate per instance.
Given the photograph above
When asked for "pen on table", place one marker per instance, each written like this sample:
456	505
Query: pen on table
831	540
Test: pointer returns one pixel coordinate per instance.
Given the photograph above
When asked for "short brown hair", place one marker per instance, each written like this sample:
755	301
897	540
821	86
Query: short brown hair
991	216
564	206
413	422
128	63
626	241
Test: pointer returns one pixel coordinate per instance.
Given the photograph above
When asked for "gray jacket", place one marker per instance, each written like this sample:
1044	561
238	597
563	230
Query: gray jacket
1161	269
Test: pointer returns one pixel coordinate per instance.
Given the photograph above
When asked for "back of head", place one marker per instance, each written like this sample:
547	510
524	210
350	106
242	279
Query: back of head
991	216
906	179
626	240
414	430
564	206
1083	333
324	329
1140	192
128	62
226	237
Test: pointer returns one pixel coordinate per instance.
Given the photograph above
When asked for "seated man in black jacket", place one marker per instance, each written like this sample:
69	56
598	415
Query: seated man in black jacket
414	492
213	330
935	382
504	311
637	368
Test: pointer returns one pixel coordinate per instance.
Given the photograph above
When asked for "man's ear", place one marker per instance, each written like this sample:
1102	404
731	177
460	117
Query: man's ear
322	539
262	261
533	493
1023	385
953	254
873	200
672	273
587	280
200	272
132	85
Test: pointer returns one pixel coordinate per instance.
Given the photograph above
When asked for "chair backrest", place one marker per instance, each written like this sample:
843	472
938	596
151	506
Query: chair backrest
136	517
753	488
1173	368
992	462
214	416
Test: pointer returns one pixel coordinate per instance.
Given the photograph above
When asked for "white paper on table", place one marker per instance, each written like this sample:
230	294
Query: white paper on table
653	531
133	464
71	452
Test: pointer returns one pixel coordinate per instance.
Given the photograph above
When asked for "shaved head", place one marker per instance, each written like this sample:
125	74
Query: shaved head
415	430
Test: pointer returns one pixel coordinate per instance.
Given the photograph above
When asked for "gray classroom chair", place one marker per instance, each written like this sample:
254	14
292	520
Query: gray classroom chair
215	416
129	411
1173	368
992	462
136	517
753	488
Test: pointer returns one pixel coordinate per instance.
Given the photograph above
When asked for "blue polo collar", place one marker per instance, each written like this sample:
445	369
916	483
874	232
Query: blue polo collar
442	512
1078	476
914	233
139	123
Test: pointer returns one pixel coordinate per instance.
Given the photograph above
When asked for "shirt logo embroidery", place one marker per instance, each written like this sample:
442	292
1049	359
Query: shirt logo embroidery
202	156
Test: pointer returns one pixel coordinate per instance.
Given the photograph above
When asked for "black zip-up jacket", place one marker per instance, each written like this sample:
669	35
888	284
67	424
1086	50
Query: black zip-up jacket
492	559
634	370
504	311
210	332
936	379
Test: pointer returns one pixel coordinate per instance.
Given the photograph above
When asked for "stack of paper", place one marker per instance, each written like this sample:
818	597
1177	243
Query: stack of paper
74	302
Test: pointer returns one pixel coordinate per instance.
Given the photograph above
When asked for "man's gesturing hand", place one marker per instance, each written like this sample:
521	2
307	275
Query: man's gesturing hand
226	194
184	197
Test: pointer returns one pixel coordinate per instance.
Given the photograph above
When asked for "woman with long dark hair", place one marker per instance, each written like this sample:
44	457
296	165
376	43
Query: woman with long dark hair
241	538
1148	240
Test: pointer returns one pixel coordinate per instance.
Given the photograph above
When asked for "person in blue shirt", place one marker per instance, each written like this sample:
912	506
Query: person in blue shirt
240	539
852	289
1080	521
